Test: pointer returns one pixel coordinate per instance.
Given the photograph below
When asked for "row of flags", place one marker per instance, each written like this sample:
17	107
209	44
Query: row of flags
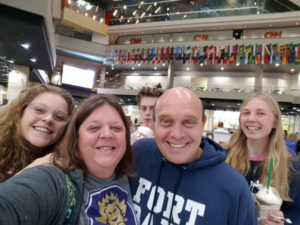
211	54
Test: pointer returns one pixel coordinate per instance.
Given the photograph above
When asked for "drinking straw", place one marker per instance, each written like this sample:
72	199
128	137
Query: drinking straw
270	173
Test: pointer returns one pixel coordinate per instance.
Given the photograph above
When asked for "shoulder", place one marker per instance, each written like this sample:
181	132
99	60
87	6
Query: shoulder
144	143
43	175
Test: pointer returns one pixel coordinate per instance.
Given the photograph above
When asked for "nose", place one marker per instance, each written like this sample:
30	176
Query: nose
105	132
48	117
148	111
177	132
251	116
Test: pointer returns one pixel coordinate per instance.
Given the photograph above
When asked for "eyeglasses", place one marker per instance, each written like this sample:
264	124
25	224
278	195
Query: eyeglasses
42	110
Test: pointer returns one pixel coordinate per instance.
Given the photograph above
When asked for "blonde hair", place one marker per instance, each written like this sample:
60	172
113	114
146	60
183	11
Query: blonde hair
238	156
15	151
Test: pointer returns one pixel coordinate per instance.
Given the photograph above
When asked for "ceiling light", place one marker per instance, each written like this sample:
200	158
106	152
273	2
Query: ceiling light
254	3
201	64
124	7
149	7
188	68
33	59
88	7
168	9
115	12
157	10
25	45
292	69
11	61
222	68
155	3
237	64
277	64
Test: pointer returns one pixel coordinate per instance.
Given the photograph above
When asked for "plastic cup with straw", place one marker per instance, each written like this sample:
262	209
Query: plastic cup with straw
270	174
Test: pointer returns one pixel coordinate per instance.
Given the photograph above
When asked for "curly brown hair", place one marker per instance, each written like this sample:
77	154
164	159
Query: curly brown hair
16	152
148	92
67	156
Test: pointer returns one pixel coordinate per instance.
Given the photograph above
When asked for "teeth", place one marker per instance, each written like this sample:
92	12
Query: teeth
42	129
177	145
105	148
252	128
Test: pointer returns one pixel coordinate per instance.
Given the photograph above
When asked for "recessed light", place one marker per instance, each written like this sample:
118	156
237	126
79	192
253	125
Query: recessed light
25	45
33	59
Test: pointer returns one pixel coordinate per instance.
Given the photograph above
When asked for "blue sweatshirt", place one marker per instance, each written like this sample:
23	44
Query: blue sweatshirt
207	191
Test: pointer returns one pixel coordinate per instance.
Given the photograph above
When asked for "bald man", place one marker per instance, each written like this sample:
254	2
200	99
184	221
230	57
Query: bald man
181	176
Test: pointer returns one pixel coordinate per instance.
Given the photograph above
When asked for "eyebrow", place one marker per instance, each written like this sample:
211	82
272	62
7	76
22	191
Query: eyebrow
163	116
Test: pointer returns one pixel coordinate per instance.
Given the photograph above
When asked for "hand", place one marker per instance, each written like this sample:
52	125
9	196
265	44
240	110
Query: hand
272	220
43	161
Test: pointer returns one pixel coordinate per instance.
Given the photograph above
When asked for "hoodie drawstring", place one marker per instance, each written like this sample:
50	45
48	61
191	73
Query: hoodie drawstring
170	219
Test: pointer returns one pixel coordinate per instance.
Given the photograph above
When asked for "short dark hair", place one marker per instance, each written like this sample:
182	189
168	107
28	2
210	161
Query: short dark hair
68	156
148	92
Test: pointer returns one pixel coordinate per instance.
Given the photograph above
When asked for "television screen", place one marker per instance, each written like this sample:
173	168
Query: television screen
78	77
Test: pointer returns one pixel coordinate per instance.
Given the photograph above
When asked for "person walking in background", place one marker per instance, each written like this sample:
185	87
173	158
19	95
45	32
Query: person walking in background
88	184
292	144
146	99
31	125
221	128
258	139
182	177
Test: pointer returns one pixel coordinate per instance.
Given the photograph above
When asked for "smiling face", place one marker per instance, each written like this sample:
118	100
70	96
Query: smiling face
43	122
257	120
179	125
102	141
146	110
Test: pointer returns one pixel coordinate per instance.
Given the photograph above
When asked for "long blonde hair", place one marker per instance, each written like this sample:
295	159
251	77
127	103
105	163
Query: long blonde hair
238	156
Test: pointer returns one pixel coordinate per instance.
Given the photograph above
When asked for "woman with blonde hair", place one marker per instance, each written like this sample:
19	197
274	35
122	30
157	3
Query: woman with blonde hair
31	125
258	139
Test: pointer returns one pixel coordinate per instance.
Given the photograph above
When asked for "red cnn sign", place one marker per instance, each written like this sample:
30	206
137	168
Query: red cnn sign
135	41
271	35
200	37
